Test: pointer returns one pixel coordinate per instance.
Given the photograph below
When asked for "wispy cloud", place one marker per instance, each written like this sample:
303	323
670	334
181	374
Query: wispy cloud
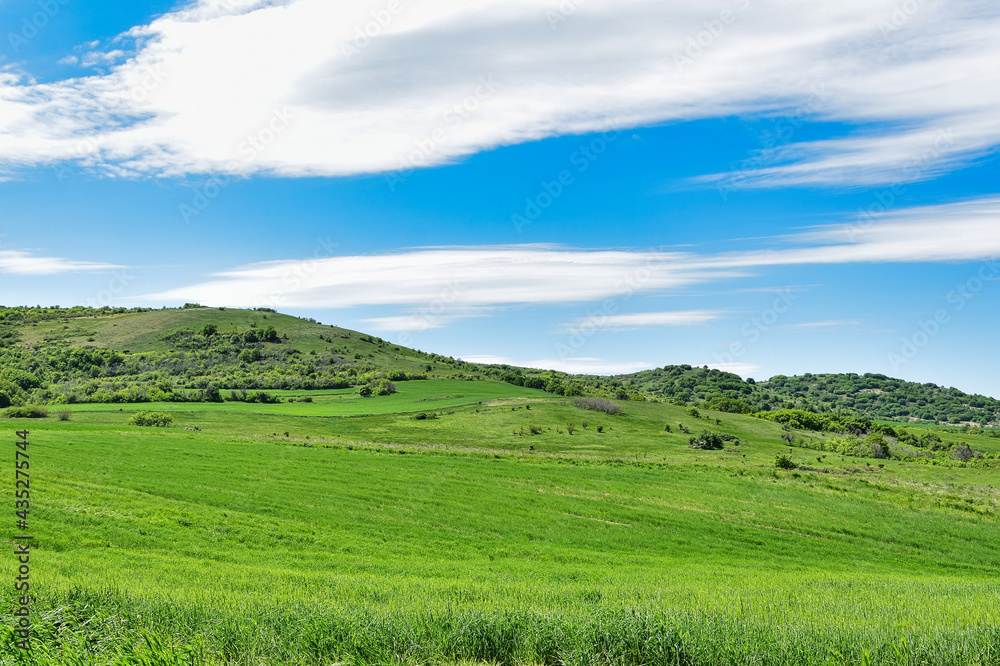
414	322
483	277
476	277
640	320
17	262
368	87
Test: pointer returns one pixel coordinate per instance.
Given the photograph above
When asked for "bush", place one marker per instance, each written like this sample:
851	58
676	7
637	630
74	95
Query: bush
712	440
534	430
64	414
798	418
781	461
151	419
729	405
597	405
962	452
26	412
694	412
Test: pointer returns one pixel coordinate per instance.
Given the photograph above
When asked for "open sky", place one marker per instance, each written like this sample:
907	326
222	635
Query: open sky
764	186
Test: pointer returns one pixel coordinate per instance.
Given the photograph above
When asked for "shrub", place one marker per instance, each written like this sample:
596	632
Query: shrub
534	430
384	387
423	416
798	418
729	405
64	414
26	412
151	419
781	461
962	452
597	405
694	412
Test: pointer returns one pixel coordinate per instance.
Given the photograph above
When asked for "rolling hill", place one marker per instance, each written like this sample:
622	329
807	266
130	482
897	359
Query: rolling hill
108	355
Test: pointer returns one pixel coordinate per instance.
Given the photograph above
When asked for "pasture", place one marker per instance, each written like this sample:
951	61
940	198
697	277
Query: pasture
368	536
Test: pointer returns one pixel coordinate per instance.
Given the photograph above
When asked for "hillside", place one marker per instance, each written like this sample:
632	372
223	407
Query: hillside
461	519
871	395
53	356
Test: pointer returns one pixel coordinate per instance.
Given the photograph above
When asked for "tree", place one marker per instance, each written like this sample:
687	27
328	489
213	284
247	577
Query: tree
208	330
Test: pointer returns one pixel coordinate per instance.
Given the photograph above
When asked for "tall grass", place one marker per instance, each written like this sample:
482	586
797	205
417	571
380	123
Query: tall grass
598	405
105	628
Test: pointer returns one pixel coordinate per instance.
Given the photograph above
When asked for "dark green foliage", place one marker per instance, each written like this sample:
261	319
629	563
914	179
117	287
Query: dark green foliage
730	405
782	461
712	440
151	419
798	418
26	412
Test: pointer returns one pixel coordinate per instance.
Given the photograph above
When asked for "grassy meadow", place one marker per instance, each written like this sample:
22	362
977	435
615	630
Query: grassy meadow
368	536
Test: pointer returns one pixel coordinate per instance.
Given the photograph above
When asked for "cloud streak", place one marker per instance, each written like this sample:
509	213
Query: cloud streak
475	278
18	262
368	86
622	322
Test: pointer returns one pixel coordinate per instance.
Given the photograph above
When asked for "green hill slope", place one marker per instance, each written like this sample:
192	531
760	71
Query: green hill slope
871	395
85	355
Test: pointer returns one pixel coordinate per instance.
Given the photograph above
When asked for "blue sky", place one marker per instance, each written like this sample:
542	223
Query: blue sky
760	186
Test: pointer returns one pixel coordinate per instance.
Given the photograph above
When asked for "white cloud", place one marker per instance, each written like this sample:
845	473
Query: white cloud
446	278
639	320
18	262
413	322
202	89
581	366
452	281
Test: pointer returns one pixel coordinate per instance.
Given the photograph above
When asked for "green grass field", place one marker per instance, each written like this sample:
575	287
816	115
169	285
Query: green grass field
366	536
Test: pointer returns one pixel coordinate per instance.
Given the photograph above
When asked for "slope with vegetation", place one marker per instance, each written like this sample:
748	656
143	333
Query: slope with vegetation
214	487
